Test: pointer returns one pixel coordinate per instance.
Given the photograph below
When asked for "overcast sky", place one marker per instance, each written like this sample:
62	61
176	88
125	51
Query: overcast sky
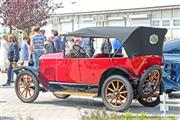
71	6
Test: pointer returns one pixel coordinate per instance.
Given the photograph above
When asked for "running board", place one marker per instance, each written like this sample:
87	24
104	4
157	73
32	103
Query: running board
77	93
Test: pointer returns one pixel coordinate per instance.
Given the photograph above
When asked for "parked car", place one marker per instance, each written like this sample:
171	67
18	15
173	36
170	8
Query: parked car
171	72
116	79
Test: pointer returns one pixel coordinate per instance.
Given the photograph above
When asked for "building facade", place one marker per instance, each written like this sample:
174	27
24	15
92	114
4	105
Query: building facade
164	17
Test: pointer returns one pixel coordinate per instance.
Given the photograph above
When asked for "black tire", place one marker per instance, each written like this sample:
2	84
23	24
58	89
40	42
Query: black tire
153	100
121	84
30	87
150	89
60	96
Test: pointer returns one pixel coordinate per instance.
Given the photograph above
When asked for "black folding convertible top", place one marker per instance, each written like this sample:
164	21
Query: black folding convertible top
136	40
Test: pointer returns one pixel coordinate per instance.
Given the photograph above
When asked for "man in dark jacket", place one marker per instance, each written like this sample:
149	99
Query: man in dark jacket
13	57
58	44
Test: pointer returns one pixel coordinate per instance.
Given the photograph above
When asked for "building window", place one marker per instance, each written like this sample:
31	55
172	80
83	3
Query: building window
176	22
166	23
156	23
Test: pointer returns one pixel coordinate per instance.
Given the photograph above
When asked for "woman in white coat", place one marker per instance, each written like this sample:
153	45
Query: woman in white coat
4	53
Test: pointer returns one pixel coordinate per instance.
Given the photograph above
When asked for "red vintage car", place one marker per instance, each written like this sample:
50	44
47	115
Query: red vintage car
117	79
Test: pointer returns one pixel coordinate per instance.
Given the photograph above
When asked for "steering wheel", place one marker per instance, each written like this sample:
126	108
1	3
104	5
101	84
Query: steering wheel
79	50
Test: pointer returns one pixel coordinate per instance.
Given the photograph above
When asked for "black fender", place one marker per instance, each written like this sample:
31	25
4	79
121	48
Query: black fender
18	70
27	68
130	74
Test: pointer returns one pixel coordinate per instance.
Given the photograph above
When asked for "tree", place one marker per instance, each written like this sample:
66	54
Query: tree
23	14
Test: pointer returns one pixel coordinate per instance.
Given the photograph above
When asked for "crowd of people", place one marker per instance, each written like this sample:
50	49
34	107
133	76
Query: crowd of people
31	48
36	44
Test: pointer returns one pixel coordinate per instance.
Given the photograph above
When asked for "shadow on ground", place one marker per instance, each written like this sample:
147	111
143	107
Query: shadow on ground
6	118
94	104
75	102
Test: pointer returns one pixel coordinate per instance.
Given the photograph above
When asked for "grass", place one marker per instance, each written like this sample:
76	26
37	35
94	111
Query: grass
103	115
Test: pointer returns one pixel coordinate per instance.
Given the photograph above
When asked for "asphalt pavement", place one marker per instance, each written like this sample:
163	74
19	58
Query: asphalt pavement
48	106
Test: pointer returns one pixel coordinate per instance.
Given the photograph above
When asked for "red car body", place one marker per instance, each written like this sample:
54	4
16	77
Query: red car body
56	68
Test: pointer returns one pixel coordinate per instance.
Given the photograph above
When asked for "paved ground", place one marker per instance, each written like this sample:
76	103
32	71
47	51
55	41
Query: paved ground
49	107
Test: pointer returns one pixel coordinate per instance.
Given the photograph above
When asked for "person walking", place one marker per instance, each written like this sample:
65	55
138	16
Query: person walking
57	42
13	57
25	51
36	46
4	53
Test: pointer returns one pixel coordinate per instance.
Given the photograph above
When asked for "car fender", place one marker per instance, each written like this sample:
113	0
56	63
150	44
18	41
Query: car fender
19	69
121	71
27	68
130	74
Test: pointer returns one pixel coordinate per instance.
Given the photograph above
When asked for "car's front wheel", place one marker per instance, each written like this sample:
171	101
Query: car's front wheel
26	87
117	93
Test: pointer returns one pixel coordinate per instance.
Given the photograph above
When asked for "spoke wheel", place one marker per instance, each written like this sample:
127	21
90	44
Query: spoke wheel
26	87
149	82
152	100
117	93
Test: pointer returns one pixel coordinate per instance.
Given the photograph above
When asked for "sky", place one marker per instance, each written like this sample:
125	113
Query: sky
71	6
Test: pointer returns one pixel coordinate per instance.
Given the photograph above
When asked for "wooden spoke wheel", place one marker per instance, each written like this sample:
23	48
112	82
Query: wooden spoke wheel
26	87
117	93
149	82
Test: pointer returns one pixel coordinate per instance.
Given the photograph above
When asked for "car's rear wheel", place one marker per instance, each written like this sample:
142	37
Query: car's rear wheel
117	93
26	87
149	81
152	100
60	96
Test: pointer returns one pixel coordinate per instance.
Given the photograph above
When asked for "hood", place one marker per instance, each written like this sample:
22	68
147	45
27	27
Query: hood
52	56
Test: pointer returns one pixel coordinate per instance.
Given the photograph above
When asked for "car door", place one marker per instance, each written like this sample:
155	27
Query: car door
86	70
61	69
67	69
72	70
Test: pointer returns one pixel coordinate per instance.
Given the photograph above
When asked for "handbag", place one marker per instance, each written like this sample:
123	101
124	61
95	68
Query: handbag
31	62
